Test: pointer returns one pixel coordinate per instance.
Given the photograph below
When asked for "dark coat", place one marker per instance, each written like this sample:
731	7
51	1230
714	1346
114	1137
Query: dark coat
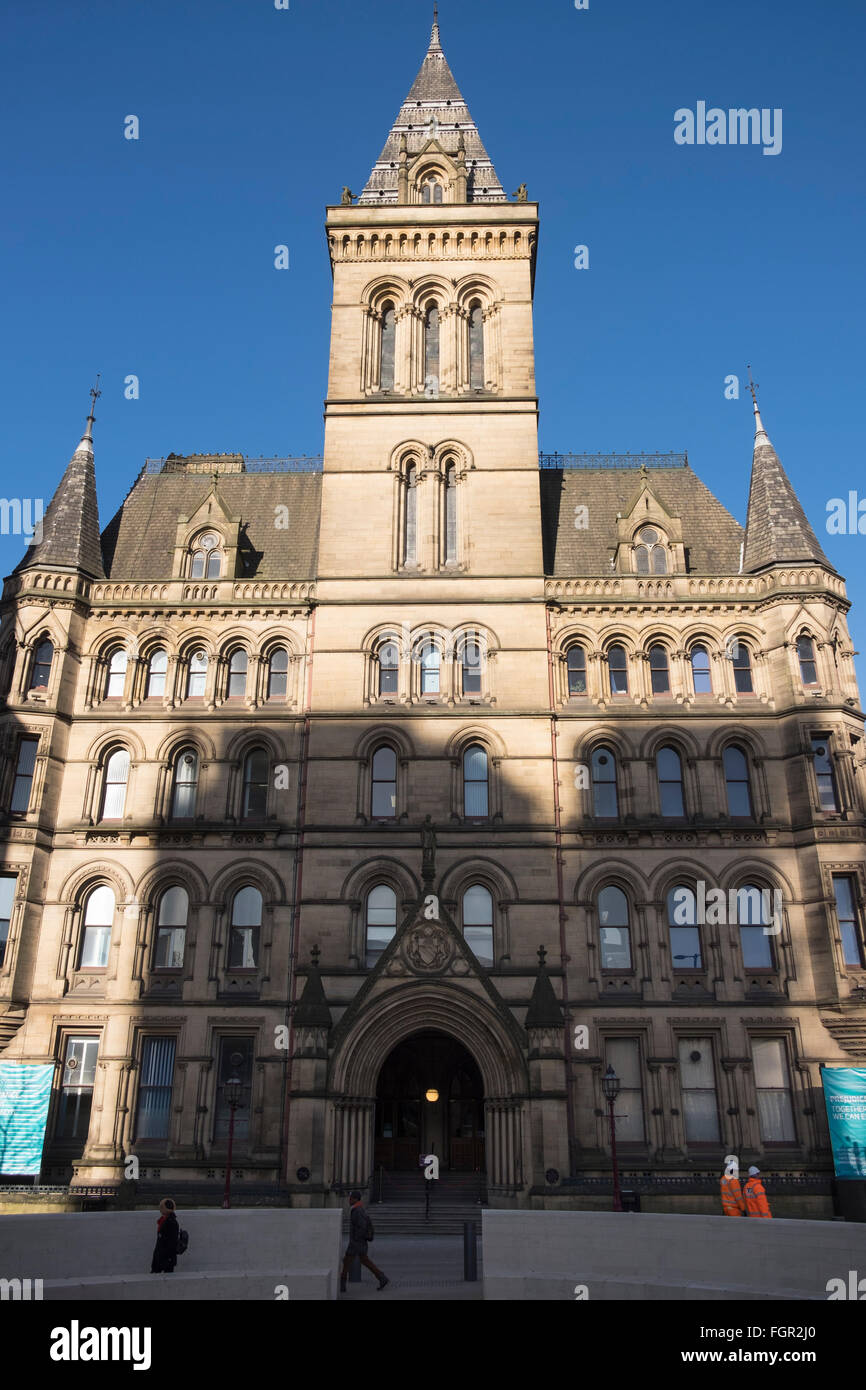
360	1228
165	1250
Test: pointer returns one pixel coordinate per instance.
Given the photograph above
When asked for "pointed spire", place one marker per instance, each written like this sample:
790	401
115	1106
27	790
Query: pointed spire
777	528
545	1010
68	537
434	103
312	1010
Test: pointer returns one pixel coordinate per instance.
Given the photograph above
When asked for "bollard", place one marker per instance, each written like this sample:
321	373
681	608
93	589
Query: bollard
470	1252
355	1271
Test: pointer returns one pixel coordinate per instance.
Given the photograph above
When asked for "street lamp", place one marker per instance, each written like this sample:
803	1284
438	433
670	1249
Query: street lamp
233	1097
610	1086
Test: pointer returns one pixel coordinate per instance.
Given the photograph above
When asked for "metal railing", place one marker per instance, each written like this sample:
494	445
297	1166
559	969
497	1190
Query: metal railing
613	460
233	463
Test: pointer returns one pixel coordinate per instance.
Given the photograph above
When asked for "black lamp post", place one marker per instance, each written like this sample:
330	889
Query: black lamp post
610	1086
233	1097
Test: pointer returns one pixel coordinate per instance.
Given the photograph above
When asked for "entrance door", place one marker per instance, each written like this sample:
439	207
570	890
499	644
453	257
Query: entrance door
449	1124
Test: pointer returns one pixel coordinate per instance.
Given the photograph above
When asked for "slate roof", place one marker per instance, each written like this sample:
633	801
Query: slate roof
139	541
777	528
70	527
435	96
711	536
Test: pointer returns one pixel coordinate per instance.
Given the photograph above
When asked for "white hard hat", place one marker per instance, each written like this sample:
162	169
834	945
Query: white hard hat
753	1171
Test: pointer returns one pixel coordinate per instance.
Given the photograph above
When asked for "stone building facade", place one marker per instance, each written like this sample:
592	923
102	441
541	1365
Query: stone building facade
432	767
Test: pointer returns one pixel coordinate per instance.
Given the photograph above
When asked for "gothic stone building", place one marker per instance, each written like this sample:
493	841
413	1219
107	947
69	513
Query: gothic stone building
418	769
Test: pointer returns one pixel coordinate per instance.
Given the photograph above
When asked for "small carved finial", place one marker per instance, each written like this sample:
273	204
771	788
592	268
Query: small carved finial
521	194
315	953
542	955
753	387
95	393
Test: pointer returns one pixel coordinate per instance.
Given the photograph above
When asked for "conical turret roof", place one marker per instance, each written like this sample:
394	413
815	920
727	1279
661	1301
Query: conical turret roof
68	537
777	528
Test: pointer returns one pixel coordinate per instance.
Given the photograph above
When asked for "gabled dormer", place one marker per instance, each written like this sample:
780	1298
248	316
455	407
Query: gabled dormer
649	540
207	542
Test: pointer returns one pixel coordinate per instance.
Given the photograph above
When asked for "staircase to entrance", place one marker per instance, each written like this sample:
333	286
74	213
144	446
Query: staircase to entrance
454	1199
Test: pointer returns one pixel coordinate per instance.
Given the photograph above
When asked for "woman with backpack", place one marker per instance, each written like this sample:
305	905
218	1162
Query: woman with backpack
360	1232
167	1236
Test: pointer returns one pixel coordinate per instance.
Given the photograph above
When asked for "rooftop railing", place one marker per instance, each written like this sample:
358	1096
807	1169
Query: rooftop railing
313	463
613	460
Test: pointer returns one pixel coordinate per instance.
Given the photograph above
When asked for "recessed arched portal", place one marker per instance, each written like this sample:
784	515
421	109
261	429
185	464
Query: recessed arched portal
429	1100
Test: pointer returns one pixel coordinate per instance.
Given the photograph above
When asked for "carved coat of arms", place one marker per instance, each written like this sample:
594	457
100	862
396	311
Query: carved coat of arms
429	946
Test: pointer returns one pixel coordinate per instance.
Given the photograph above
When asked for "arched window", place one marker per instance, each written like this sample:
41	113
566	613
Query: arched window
41	668
659	560
185	785
742	663
476	789
114	785
650	555
157	670
278	674
739	791
389	667
476	347
470	663
206	558
617	665
238	664
410	521
257	767
478	923
702	681
669	770
98	921
381	921
825	776
389	338
808	664
199	560
613	929
575	663
214	565
196	680
431	664
431	349
685	936
171	929
383	802
431	191
605	803
245	926
116	684
754	917
660	679
641	560
451	514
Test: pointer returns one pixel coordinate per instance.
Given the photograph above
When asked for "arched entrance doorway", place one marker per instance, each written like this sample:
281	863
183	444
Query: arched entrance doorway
408	1124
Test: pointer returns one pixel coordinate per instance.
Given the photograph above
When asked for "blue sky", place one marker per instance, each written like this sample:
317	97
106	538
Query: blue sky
155	257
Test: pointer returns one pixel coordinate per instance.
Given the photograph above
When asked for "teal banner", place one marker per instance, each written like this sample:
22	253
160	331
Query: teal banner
25	1093
845	1096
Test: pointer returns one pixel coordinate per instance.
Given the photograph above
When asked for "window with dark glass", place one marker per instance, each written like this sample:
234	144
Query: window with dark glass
431	349
613	929
384	784
246	922
234	1064
278	674
808	663
76	1088
617	665
197	676
410	525
698	1083
185	785
650	554
742	663
431	663
669	770
847	916
476	348
701	678
575	662
41	669
737	786
476	799
114	785
604	797
153	1118
451	515
470	663
214	565
389	338
753	916
98	920
257	768
117	664
478	922
822	760
684	933
171	929
25	768
660	680
157	671
389	668
623	1054
381	921
773	1086
8	884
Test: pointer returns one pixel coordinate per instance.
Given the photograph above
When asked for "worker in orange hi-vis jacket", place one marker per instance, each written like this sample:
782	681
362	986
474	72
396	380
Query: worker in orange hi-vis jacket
732	1195
755	1195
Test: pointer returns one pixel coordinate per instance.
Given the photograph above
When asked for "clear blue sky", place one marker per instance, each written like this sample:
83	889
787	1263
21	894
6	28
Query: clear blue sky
155	257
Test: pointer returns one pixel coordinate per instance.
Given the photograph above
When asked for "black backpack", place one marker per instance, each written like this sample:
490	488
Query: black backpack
182	1242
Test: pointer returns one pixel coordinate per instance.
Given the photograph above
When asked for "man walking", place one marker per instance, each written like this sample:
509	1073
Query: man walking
360	1232
732	1196
755	1195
